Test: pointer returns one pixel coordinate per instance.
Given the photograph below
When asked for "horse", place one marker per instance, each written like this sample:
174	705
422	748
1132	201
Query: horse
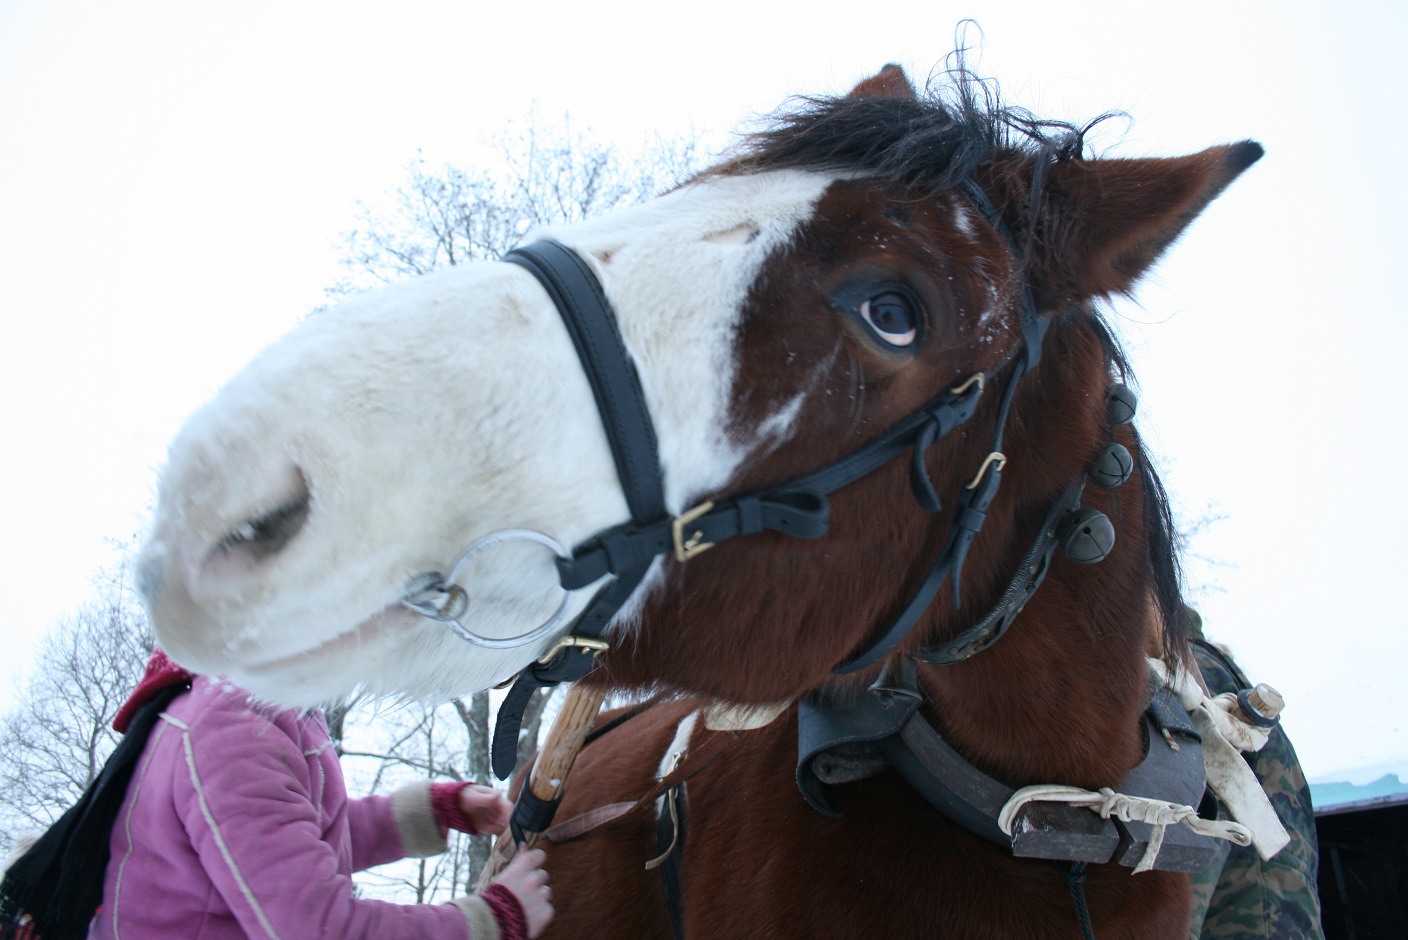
830	348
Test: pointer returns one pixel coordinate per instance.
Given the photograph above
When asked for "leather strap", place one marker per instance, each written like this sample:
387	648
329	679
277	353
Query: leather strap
670	832
582	303
1031	572
1033	325
503	750
851	724
625	416
699	758
795	512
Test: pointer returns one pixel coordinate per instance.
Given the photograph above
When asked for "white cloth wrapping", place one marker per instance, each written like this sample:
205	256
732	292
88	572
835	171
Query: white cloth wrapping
1225	731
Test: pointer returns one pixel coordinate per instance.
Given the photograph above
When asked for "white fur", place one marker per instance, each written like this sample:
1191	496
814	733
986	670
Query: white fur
679	746
430	413
962	220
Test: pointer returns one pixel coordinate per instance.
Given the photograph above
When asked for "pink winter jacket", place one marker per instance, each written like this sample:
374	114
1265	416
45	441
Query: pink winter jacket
237	824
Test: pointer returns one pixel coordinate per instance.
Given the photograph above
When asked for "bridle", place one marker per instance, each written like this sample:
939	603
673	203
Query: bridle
623	554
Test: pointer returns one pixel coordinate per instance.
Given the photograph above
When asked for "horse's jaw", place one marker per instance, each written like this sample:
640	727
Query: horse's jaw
378	441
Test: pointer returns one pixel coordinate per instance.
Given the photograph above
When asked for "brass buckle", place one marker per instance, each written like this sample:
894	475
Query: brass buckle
996	457
685	549
569	641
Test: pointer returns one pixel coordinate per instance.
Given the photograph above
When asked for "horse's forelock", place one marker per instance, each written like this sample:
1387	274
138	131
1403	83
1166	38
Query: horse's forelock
929	140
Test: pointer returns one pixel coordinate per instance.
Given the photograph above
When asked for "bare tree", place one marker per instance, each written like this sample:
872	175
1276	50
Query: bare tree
1201	569
60	734
385	747
538	176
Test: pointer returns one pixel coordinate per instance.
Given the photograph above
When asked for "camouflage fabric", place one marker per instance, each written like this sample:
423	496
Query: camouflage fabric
1245	898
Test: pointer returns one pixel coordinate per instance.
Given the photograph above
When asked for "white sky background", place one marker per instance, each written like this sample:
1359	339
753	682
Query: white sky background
174	177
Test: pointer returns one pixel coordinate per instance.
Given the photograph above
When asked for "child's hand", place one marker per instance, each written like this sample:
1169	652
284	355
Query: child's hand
485	807
526	878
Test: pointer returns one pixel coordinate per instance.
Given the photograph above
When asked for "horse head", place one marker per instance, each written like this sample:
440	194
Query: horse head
844	269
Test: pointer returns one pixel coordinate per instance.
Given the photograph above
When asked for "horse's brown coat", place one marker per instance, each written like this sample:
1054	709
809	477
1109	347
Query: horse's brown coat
767	618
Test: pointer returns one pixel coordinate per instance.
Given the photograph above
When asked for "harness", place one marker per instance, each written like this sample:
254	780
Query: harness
843	738
887	721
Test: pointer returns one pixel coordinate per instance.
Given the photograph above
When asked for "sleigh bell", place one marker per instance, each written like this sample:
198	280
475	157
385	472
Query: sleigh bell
1087	536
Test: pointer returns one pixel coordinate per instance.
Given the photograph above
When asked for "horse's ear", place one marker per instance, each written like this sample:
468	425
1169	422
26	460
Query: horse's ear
1104	222
889	82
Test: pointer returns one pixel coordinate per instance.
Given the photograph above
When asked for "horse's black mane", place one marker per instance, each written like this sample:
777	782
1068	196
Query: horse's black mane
1160	532
932	142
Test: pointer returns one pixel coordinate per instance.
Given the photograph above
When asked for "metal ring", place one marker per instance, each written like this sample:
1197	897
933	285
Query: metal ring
424	588
450	587
456	603
507	535
457	600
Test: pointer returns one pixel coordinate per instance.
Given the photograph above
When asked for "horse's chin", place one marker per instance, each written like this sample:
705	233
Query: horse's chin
385	654
365	643
325	672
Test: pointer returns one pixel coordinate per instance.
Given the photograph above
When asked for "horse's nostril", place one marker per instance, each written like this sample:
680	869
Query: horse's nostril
268	533
149	579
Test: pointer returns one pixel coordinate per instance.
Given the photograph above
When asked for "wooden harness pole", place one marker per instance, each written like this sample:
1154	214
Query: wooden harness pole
555	759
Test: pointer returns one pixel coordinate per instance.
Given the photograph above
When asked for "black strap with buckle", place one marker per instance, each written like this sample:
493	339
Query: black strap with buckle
582	304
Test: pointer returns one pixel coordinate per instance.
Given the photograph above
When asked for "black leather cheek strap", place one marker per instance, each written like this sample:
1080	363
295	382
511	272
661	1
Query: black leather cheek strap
620	402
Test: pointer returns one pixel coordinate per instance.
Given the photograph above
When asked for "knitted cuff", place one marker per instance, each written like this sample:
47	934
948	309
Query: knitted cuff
513	923
445	801
411	808
479	917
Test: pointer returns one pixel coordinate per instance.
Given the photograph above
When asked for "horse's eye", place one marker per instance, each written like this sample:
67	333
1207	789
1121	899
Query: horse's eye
892	316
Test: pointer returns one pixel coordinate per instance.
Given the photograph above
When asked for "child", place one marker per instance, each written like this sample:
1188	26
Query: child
236	824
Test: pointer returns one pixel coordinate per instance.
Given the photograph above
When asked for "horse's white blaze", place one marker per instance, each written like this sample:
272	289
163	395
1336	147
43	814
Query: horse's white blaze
677	289
426	415
678	748
962	220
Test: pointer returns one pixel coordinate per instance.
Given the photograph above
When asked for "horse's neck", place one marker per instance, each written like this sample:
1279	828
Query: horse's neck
1057	698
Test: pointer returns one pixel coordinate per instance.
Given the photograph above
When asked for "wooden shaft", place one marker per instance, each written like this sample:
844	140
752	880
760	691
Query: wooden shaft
555	759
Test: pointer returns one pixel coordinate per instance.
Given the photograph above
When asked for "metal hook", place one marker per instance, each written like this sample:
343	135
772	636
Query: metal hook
457	602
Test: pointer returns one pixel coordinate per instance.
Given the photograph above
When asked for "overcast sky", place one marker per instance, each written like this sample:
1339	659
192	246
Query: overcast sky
174	177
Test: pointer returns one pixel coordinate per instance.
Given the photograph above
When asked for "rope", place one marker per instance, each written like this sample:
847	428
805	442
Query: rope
1075	880
1158	813
672	805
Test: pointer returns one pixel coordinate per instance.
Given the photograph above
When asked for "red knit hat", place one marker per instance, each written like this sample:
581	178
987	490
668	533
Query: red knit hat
161	673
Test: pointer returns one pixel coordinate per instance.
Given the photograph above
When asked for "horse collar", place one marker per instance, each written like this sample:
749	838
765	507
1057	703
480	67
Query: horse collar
841	739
